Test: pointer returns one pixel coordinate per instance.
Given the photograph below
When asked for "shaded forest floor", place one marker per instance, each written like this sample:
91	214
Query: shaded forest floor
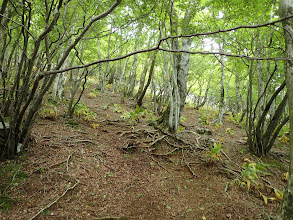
109	168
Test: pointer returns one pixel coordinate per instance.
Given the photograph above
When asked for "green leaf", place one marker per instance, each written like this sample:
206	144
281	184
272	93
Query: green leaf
265	199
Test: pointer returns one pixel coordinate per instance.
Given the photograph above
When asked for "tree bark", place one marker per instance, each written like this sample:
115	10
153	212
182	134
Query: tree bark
180	68
237	93
142	77
205	98
139	101
222	96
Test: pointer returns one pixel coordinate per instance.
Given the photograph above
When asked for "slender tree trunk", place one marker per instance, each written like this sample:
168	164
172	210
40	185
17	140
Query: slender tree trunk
249	112
139	101
199	105
228	101
122	74
237	94
132	76
260	87
3	8
142	77
222	96
101	74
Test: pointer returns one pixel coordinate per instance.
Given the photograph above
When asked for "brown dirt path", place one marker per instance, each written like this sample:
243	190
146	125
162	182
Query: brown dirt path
113	172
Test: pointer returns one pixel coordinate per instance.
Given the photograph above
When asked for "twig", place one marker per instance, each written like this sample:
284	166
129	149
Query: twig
55	201
225	155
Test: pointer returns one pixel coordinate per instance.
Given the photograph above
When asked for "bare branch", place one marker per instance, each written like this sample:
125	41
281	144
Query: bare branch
183	51
1	15
230	29
227	54
162	49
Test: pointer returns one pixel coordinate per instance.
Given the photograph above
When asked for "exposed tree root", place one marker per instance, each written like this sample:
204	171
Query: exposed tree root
56	200
166	154
157	140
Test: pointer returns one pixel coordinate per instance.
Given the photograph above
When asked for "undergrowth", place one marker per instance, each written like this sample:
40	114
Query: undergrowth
11	175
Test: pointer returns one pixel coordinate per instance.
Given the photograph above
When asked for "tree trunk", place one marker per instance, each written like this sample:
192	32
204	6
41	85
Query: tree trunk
101	74
285	211
139	101
222	96
142	77
180	69
260	78
237	94
199	105
132	76
60	80
27	94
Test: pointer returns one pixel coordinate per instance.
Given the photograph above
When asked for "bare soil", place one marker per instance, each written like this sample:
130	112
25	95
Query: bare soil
131	170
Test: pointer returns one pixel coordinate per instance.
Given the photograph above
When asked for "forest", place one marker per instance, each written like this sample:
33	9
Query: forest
171	109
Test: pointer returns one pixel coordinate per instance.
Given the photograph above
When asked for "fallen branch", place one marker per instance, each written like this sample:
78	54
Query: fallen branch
55	201
225	155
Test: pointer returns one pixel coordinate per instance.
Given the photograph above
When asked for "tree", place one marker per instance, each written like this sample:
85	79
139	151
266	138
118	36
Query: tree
180	64
286	9
25	88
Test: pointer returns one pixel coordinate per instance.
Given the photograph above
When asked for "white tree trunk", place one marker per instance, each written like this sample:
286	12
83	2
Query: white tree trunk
180	66
60	80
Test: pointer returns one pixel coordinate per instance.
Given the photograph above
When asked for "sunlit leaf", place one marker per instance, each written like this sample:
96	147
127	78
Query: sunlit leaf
278	194
248	185
265	199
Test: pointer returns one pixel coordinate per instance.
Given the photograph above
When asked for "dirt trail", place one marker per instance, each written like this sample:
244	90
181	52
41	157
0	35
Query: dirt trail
123	170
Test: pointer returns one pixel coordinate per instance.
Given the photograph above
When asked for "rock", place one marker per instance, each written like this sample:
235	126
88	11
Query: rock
2	132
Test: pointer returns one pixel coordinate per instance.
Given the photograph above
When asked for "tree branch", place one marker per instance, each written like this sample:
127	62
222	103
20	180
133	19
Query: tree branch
182	51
